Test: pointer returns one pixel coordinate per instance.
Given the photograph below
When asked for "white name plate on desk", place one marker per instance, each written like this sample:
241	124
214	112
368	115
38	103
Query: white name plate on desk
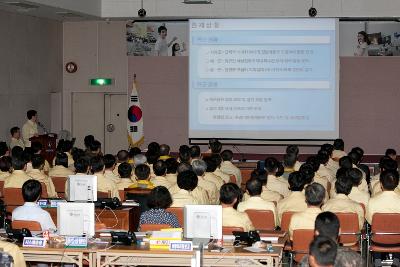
76	242
181	246
34	242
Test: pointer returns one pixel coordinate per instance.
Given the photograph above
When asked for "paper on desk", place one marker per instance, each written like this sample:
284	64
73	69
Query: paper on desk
272	239
255	249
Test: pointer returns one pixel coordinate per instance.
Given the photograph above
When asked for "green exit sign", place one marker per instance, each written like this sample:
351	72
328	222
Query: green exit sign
101	81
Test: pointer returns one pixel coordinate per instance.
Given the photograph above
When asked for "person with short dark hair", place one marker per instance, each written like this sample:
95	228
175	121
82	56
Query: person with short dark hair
388	200
94	149
66	146
332	164
209	174
296	200
164	152
323	171
315	164
226	178
215	146
391	153
5	167
142	173
356	194
103	184
315	194
30	128
385	164
342	203
87	141
30	211
109	168
199	167
187	182
158	201
195	152
323	252
61	166
18	176
327	224
16	139
280	186
338	149
294	151
125	174
255	202
172	166
289	160
228	167
161	46
37	149
38	174
4	150
160	170
229	196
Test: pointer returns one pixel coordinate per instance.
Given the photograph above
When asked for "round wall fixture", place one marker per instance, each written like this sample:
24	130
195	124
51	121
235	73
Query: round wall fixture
71	67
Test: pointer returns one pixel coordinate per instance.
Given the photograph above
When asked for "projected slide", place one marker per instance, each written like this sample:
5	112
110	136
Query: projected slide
263	79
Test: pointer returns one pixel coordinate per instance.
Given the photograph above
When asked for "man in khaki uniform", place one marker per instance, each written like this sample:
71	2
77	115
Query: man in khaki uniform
356	194
200	167
125	173
187	182
103	184
109	165
160	170
296	200
315	194
172	166
255	202
38	174
15	253
30	128
229	195
16	139
342	203
18	177
273	183
388	200
61	168
209	174
229	168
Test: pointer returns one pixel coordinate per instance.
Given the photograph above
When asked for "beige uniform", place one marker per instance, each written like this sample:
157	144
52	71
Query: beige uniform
111	176
323	171
210	188
363	186
234	218
124	183
225	177
229	168
269	195
160	181
3	175
333	166
321	180
106	185
297	165
359	196
209	176
278	185
60	171
295	201
182	198
338	154
257	203
16	142
303	220
29	130
198	193
43	178
15	253
171	178
384	202
16	179
342	203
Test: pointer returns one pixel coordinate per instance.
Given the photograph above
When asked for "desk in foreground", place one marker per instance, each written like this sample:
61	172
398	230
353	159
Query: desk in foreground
142	256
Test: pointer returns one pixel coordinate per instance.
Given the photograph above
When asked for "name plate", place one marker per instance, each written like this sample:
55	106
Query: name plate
181	246
34	242
75	242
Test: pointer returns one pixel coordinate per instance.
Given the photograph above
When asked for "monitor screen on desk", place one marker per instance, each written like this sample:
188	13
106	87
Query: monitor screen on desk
82	188
75	219
203	221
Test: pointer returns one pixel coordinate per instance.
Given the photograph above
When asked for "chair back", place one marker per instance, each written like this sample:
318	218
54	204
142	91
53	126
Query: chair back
103	194
44	191
30	225
232	179
349	228
246	173
262	219
385	228
13	196
228	230
285	221
328	188
1	189
122	195
59	185
178	211
153	227
301	243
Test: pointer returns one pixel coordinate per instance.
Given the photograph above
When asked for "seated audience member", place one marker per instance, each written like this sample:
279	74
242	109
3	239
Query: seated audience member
356	194
195	152
357	154
315	194
15	253
199	167
125	174
183	166
164	152
255	202
388	200
61	166
65	146
209	174
391	153
385	164
103	184
5	167
327	224
229	168
324	171
153	147
122	156
139	159
187	182
109	165
342	203
132	153
226	178
87	141
314	162
16	139
294	151
266	194
184	156
18	177
160	170
38	174
332	164
289	160
94	149
30	211
214	146
171	175
158	201
37	149
229	195
274	184
142	173
296	200
323	252
5	151
338	149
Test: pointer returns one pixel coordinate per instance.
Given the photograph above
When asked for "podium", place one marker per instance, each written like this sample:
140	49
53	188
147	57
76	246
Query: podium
49	143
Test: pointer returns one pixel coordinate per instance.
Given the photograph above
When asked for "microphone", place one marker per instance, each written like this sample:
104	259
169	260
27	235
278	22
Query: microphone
242	158
42	126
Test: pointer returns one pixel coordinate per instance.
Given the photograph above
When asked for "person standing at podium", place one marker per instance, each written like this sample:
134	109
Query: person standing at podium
30	127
